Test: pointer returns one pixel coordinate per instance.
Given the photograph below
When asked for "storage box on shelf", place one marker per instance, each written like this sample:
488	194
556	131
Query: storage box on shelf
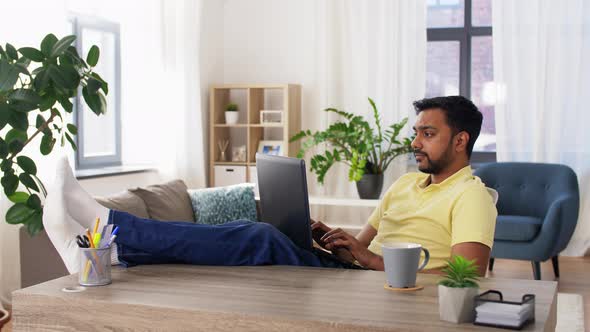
249	131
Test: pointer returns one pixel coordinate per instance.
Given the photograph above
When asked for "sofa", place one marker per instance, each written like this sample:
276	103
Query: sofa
169	201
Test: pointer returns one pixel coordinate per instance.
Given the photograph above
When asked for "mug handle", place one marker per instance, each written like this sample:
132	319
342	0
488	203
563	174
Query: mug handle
426	259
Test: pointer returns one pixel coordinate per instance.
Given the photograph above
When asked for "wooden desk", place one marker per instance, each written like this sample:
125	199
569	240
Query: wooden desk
270	298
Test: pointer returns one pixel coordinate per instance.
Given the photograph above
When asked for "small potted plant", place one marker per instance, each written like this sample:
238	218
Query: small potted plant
457	290
231	114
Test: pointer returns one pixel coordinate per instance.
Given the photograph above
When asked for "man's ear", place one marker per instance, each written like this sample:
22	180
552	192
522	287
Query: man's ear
462	139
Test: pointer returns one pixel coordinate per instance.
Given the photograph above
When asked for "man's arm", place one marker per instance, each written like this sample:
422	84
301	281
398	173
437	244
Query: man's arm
366	235
473	251
337	238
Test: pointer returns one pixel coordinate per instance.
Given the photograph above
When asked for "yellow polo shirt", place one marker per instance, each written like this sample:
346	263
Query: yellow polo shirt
437	216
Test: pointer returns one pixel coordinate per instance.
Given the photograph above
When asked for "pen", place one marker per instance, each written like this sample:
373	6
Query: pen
96	225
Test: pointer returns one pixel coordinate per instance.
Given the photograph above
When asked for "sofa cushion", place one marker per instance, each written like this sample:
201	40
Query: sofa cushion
517	228
167	202
214	206
125	201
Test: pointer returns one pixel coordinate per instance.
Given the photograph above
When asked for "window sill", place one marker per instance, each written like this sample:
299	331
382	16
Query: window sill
93	173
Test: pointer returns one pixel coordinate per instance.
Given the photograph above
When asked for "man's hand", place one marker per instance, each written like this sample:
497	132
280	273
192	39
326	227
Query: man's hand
337	238
318	230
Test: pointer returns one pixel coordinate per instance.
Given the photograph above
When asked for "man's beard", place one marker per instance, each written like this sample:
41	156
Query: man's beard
436	166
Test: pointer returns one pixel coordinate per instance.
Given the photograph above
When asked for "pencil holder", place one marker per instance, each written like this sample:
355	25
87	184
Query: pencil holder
95	266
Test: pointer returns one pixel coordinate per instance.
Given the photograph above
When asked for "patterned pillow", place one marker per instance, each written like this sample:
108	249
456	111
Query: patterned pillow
214	206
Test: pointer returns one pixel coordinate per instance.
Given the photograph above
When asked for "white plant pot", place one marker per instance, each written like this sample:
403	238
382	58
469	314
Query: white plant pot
456	304
231	117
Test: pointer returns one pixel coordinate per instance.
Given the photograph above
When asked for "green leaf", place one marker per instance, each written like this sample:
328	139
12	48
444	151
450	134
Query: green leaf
39	122
6	165
8	75
35	223
64	76
4	114
19	213
32	54
34	202
47	143
41	80
66	104
28	181
15	147
47	102
105	85
93	85
3	149
3	54
60	46
93	54
15	134
19	121
72	143
72	129
47	44
25	95
95	101
11	51
19	197
26	164
9	183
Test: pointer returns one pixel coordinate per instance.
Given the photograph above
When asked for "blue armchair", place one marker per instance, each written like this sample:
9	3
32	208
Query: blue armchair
537	211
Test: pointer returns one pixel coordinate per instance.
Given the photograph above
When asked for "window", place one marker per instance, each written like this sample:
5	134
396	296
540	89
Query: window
459	61
99	137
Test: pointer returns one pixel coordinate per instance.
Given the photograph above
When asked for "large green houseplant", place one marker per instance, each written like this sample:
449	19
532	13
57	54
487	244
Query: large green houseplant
366	150
37	85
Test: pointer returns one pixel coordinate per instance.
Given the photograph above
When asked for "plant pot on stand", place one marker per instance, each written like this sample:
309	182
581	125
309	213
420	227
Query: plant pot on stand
370	186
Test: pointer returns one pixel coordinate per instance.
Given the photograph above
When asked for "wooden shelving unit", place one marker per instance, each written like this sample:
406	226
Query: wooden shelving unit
251	99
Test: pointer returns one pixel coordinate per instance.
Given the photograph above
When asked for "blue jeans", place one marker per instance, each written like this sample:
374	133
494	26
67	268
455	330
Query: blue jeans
144	241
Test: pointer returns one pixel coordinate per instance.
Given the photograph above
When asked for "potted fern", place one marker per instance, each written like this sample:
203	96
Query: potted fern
231	114
457	290
367	150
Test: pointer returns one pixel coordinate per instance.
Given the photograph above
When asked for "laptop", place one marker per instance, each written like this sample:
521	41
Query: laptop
284	203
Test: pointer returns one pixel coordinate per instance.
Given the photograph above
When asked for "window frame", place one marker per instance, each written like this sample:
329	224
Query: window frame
463	35
115	159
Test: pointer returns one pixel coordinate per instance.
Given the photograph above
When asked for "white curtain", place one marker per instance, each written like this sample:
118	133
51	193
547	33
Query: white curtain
181	133
542	74
374	49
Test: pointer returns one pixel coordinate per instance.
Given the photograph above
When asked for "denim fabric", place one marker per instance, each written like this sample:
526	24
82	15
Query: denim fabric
144	241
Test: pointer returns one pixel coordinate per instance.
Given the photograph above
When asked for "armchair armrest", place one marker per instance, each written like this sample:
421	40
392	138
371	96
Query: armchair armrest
559	223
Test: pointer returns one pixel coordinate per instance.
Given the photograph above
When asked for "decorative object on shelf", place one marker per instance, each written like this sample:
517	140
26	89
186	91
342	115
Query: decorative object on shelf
222	144
231	114
238	153
456	292
273	148
271	117
36	88
354	142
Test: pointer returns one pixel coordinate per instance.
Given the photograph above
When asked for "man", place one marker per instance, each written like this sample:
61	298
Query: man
446	209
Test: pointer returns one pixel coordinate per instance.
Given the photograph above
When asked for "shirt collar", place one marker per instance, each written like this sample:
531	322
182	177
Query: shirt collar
423	181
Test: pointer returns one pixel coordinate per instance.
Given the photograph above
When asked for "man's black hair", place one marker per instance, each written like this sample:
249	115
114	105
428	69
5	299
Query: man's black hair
461	114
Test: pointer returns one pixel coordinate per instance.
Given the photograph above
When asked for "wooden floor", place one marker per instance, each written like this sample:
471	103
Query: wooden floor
575	278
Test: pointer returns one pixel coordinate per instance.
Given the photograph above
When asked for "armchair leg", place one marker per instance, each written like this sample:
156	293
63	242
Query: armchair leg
491	265
555	266
537	270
